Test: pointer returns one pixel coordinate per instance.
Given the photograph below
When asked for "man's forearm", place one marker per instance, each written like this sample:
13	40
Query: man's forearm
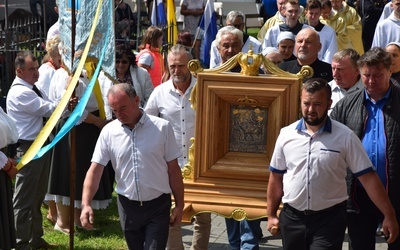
377	194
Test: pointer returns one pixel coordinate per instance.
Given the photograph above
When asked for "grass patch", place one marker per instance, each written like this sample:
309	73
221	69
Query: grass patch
253	32
109	235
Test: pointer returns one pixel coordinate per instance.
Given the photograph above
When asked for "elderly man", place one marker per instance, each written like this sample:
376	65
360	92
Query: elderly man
326	33
28	107
389	29
244	233
235	19
307	47
307	173
346	76
143	151
229	42
373	114
292	24
171	101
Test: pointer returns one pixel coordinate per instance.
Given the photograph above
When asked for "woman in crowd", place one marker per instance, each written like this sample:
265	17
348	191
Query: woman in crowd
8	137
394	50
47	69
150	57
46	72
192	10
127	71
87	131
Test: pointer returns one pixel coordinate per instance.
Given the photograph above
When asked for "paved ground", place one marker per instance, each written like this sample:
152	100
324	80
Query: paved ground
219	239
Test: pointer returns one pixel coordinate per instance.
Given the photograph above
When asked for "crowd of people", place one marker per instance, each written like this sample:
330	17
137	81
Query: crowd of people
335	168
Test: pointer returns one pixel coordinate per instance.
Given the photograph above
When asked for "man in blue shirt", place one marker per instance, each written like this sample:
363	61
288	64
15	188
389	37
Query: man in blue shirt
373	114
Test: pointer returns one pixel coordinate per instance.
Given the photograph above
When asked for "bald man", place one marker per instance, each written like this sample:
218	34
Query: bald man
307	47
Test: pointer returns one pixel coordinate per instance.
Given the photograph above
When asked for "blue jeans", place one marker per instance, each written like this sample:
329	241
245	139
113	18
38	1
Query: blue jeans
243	234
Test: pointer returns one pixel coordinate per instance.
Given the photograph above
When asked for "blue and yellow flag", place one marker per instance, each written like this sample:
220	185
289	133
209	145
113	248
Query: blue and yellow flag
94	45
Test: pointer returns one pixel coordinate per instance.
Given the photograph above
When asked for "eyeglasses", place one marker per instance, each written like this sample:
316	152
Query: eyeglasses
121	61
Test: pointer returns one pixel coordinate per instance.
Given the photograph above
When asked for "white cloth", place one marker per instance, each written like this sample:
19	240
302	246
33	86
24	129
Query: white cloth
46	72
314	167
53	31
8	129
8	135
167	102
27	109
146	59
329	44
141	82
139	156
270	39
338	93
386	12
57	91
215	57
387	31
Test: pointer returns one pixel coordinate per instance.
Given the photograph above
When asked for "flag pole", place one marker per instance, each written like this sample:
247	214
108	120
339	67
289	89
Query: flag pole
72	152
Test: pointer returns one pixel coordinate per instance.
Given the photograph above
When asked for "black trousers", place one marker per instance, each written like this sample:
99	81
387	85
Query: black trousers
318	231
362	226
145	225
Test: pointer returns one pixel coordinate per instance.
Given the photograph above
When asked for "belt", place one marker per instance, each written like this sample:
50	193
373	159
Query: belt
313	212
143	203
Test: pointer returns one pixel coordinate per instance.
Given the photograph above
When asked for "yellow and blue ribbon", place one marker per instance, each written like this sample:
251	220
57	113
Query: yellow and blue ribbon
35	150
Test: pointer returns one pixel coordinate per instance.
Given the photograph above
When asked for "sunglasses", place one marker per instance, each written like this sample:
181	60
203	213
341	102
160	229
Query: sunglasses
121	61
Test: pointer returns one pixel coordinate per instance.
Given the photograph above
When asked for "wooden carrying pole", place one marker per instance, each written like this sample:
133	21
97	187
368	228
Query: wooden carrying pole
72	152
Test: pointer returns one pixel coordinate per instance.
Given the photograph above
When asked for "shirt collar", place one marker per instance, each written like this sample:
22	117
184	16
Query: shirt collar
140	123
22	81
327	127
357	86
384	98
172	88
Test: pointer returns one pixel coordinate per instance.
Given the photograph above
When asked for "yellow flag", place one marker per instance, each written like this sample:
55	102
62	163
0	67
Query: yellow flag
171	20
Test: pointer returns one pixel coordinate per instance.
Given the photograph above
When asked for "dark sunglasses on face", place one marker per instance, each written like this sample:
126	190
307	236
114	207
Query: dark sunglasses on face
121	61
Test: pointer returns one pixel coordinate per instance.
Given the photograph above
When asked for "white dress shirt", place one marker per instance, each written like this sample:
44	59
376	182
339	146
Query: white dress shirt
314	167
27	109
169	104
138	156
338	93
57	91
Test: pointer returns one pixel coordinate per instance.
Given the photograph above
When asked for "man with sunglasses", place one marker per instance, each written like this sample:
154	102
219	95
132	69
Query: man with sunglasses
235	19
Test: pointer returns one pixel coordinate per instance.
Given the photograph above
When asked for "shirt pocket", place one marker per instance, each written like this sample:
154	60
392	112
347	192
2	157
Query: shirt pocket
328	158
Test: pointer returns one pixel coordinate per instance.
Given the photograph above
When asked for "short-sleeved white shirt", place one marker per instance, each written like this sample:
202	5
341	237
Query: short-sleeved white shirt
168	103
138	156
314	167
